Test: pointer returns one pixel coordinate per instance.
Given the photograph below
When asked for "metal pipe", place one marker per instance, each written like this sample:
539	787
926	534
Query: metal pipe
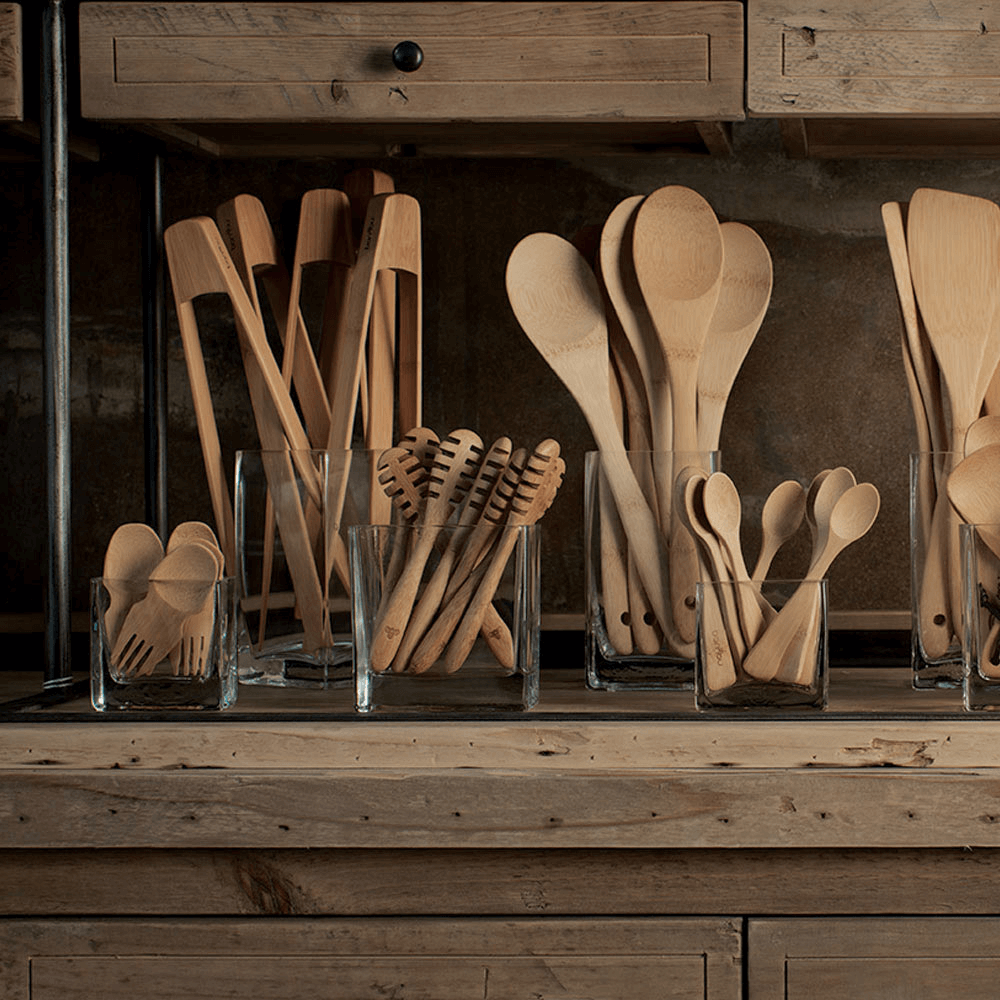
154	325
58	668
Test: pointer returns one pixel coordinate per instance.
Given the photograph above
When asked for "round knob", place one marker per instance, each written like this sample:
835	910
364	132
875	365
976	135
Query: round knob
407	57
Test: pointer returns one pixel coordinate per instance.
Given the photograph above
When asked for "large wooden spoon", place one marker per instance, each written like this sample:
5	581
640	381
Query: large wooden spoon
677	251
974	490
558	303
747	278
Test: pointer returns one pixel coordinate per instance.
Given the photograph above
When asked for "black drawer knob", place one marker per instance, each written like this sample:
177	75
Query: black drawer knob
407	57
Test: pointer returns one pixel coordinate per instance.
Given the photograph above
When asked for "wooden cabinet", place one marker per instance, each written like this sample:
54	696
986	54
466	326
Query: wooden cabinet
926	959
232	78
11	68
410	959
861	79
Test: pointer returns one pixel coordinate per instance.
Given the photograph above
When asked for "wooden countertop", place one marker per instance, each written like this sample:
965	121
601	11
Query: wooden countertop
884	766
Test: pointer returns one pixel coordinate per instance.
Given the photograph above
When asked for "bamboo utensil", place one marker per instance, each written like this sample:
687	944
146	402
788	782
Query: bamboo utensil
178	588
558	304
782	516
744	295
778	652
132	553
190	657
981	433
954	245
450	478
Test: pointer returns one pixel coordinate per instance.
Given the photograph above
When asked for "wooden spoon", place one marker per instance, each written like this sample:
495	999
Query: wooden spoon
833	485
132	554
974	491
723	512
782	516
558	303
677	250
981	433
178	587
778	653
747	278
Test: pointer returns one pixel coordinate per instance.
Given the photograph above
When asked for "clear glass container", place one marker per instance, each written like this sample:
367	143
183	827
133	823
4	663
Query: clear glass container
762	646
935	574
292	512
437	632
627	646
981	617
147	652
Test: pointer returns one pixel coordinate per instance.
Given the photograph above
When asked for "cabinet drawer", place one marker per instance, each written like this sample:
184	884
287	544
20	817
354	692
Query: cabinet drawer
11	68
856	959
826	70
539	65
275	959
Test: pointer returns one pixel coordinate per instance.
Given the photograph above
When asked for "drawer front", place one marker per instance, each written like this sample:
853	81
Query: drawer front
480	61
413	959
864	59
936	958
11	68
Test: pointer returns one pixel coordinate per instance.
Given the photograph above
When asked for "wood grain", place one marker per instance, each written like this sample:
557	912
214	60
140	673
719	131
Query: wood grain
11	64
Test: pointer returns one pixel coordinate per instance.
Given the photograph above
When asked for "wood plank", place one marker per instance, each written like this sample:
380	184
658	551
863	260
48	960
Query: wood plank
11	64
931	958
515	882
331	62
482	808
266	957
888	60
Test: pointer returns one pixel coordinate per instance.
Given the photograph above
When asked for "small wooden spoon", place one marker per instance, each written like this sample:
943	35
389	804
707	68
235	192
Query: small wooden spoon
132	554
723	511
834	484
747	278
777	651
558	303
782	516
974	491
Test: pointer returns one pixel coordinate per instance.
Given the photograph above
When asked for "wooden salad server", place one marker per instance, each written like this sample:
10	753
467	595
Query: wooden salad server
451	477
535	493
558	303
489	474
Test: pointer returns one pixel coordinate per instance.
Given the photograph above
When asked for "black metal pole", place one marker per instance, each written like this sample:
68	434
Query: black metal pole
154	326
58	668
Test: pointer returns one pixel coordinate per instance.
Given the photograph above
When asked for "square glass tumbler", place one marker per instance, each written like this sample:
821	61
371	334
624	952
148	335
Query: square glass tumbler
935	574
293	509
762	646
629	646
981	617
155	650
446	618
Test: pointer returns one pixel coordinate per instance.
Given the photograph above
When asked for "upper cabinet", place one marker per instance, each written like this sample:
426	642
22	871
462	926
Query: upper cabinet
245	79
855	78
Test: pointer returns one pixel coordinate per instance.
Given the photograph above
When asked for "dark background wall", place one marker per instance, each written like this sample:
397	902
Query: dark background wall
822	386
